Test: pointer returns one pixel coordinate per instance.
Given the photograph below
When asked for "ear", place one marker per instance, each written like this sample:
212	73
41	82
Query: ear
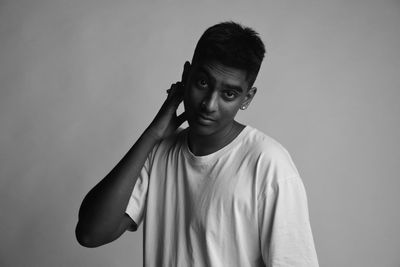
249	96
185	73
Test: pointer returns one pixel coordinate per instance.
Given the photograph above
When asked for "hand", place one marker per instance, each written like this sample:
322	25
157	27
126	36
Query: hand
166	121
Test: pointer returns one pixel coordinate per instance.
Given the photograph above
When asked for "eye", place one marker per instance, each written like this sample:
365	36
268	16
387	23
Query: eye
202	82
230	95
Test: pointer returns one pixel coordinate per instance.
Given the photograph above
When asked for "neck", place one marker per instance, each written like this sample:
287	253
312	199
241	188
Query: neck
201	145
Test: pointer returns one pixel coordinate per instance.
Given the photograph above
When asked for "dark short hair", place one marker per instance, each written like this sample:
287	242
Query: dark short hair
233	45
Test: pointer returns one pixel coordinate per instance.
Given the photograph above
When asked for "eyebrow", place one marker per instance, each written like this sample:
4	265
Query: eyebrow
234	87
226	85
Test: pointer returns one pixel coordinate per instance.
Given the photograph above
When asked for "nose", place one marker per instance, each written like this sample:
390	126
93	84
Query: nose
209	103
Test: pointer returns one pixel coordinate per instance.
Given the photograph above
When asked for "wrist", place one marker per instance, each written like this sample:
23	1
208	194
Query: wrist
152	133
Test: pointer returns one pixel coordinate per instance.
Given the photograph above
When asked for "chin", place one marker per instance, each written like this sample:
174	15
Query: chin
201	129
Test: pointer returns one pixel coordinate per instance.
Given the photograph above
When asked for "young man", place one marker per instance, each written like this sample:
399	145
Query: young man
217	193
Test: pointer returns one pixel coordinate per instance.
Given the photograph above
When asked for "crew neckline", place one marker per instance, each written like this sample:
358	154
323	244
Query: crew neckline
206	158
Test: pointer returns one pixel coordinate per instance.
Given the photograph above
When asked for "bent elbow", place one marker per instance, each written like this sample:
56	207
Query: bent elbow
85	239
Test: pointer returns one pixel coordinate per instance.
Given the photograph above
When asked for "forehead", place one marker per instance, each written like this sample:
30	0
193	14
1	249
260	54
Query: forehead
220	73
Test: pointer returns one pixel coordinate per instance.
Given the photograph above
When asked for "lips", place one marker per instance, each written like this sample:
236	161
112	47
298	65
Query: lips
204	120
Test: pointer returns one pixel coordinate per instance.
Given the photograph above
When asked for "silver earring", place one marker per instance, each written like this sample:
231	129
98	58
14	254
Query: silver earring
243	107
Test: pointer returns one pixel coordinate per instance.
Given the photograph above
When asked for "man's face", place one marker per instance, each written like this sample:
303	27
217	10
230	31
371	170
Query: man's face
213	95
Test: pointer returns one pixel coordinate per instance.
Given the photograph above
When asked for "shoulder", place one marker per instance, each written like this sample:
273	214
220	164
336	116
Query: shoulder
263	145
271	157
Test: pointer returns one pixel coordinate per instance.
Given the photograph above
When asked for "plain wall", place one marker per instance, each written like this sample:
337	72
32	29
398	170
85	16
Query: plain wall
80	81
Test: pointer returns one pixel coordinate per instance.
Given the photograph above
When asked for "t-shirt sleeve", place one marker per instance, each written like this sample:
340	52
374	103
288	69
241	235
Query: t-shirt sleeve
285	232
137	202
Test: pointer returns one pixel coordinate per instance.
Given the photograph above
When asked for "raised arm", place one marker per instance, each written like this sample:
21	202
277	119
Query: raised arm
102	217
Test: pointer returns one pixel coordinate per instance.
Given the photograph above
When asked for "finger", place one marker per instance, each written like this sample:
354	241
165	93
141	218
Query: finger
176	92
171	90
180	88
176	99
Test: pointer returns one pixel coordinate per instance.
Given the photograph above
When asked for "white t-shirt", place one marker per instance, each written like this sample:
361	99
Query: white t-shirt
243	205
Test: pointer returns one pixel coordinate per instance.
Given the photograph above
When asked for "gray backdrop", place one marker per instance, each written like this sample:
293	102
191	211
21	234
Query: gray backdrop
80	80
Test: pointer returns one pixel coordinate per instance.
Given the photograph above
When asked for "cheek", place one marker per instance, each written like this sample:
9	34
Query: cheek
229	110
